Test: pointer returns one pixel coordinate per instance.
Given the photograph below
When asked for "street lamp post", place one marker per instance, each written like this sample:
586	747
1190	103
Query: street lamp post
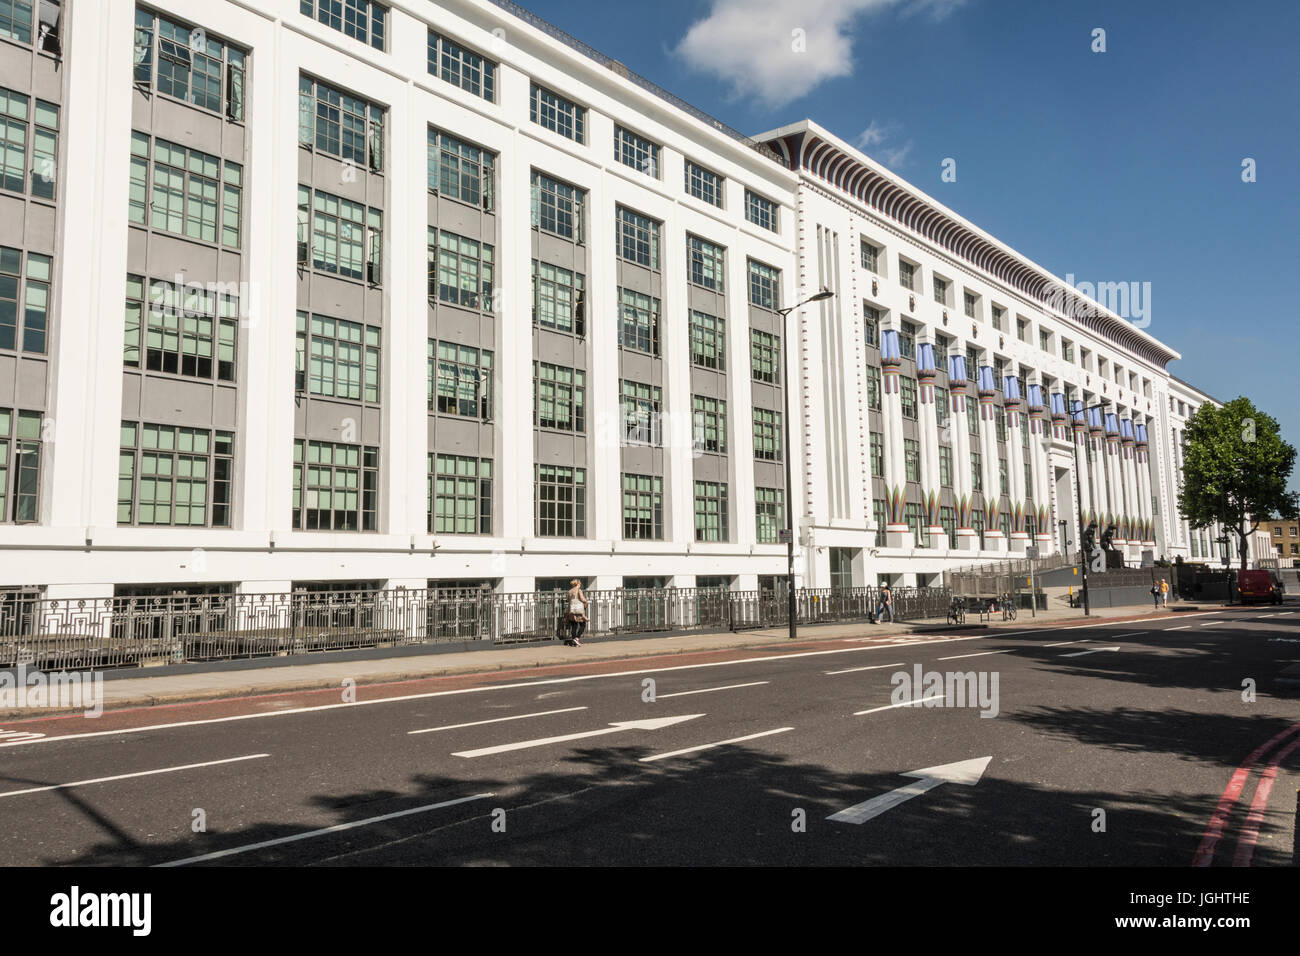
789	454
1078	492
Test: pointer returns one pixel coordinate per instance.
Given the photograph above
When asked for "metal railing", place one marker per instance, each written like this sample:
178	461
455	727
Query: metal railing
122	632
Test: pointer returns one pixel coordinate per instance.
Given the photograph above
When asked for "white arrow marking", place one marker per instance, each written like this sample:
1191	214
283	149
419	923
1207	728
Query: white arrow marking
654	723
1095	650
964	772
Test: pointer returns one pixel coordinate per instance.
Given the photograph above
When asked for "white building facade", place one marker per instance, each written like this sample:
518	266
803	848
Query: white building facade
316	295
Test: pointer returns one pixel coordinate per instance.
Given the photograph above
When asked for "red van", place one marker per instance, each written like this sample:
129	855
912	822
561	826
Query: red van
1258	585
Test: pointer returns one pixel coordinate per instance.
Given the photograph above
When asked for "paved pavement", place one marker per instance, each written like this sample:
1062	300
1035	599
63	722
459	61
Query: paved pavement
1166	740
160	685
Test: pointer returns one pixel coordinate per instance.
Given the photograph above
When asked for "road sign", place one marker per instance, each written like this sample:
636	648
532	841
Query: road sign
1148	558
1031	552
783	535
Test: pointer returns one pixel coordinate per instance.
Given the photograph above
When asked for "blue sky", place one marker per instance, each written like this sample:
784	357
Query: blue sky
1117	166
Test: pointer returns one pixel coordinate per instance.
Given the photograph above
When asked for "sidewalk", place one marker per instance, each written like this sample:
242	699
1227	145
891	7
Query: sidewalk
153	686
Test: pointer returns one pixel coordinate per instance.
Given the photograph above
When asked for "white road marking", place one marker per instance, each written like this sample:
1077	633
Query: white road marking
1086	640
956	657
1118	637
16	735
1182	628
1285	613
654	723
315	833
873	667
464	690
720	743
495	720
1095	650
906	703
1211	623
125	776
965	772
710	690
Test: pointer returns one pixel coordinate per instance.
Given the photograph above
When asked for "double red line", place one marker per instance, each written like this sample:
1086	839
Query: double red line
1249	835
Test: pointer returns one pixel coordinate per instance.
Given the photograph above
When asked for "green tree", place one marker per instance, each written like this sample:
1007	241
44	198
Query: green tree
1235	470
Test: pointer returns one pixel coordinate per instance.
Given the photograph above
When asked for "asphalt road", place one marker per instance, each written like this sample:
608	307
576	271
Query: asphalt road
1113	749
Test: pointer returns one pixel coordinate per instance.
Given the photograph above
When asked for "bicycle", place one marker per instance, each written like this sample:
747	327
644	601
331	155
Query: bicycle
957	611
1008	608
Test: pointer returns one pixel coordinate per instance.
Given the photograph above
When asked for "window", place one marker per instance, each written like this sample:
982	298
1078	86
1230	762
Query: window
459	495
641	405
976	471
559	397
940	290
19	125
871	319
942	409
998	317
948	519
972	416
877	455
907	341
360	19
458	170
460	270
941	352
20	458
558	299
769	514
1067	350
708	341
878	518
340	124
638	326
705	262
194	194
169	475
870	257
192	65
764	357
1029	480
1045	340
1000	422
1022	329
347	238
643	507
912	459
914	515
188	331
338	358
638	238
945	466
561	502
24	328
764	286
873	388
970	300
461	67
17	21
906	275
1292	530
335	486
760	211
767	434
1004	484
907	394
459	380
1277	532
557	114
711	511
977	524
709	424
636	151
557	207
703	184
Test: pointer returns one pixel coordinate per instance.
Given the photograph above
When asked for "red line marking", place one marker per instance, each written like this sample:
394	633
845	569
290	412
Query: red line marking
1250	829
1231	793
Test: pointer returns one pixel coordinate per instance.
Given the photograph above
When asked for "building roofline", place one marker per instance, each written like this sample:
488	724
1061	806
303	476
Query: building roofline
858	175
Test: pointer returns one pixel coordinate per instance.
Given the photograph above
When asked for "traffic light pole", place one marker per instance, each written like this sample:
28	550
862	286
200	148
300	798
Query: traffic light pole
1078	494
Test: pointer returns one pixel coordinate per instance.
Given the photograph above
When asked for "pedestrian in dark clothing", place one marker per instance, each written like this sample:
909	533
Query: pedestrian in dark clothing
886	604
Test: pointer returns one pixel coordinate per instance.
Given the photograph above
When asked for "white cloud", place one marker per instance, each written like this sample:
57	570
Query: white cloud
777	51
877	140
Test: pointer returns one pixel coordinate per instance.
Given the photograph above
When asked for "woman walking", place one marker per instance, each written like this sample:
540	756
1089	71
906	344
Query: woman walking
577	616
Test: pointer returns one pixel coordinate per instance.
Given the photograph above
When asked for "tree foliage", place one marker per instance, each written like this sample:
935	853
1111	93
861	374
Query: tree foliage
1236	468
